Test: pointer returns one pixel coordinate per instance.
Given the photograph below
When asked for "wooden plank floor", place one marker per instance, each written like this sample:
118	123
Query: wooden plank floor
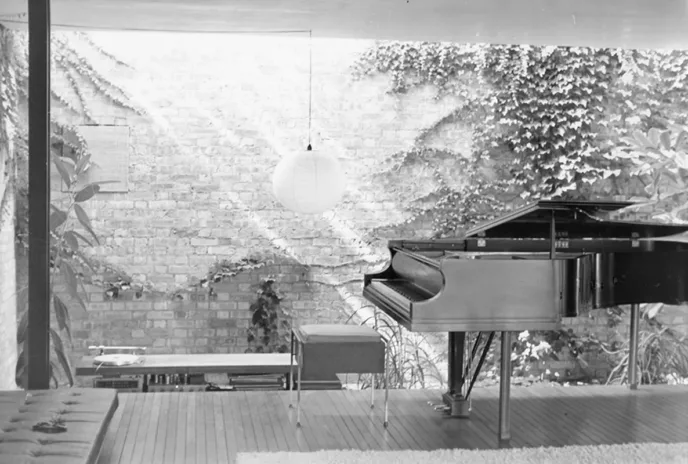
200	428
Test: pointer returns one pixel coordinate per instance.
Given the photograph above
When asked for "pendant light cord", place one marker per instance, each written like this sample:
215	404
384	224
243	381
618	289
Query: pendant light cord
310	86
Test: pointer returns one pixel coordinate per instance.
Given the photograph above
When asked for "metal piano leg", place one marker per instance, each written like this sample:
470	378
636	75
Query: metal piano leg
291	372
633	347
504	391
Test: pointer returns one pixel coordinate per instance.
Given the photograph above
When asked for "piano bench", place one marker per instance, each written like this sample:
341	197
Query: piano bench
337	349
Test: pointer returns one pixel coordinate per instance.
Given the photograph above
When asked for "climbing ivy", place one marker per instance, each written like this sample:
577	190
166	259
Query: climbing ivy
544	119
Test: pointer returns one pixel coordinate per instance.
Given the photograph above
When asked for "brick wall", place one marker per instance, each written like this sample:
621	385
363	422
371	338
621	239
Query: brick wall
221	112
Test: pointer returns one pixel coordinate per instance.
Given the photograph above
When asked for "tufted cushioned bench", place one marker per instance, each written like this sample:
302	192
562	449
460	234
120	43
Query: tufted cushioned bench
86	414
337	349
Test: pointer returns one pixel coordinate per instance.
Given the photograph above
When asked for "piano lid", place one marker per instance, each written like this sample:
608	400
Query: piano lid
573	219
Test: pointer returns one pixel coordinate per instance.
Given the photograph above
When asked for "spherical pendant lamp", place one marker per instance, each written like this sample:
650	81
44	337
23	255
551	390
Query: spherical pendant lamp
309	182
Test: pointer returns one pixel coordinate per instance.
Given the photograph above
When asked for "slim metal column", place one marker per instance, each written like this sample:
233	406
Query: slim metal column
633	348
504	390
37	350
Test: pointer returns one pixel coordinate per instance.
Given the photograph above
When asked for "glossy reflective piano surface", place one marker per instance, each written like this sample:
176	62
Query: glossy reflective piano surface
529	269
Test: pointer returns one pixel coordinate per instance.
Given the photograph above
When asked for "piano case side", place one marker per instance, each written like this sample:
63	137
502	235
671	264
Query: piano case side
495	295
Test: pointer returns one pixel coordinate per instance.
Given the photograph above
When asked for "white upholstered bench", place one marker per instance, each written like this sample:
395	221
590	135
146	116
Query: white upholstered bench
339	349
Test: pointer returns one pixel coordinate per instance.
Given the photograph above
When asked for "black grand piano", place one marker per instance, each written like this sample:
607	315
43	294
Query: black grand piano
526	271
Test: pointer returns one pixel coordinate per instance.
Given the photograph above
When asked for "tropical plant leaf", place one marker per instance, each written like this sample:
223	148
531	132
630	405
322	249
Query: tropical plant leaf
57	218
21	366
84	239
71	240
85	221
83	164
62	316
78	298
86	193
70	278
52	369
66	171
652	309
23	327
59	349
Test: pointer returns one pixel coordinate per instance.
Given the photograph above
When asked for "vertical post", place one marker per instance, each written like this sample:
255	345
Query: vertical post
633	349
299	367
372	391
38	334
290	378
386	375
457	342
504	390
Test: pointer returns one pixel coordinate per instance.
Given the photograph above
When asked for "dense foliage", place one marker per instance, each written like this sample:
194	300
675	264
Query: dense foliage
544	120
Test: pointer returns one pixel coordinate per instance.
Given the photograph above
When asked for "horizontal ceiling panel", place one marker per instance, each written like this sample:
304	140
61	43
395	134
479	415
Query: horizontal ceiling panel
596	23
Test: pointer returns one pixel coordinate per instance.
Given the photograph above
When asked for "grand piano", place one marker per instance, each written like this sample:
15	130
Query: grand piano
526	271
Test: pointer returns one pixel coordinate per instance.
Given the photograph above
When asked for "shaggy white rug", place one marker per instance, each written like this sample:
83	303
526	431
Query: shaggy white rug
634	453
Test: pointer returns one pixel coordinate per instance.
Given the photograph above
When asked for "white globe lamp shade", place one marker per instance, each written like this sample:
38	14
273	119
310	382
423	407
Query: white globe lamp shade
309	182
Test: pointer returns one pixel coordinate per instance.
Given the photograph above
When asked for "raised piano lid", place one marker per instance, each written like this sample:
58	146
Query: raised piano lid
573	219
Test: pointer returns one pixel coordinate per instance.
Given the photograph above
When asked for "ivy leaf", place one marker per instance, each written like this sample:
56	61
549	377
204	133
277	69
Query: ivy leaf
642	140
86	193
665	139
653	136
85	221
680	140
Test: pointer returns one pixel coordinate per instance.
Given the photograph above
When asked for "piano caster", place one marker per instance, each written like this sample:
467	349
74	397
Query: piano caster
457	405
439	407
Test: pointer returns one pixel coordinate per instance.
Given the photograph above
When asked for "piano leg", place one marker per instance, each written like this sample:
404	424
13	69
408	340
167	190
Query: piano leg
504	391
453	398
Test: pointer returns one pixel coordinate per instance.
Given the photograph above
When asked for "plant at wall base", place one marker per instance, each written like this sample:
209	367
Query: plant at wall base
408	363
270	324
662	353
